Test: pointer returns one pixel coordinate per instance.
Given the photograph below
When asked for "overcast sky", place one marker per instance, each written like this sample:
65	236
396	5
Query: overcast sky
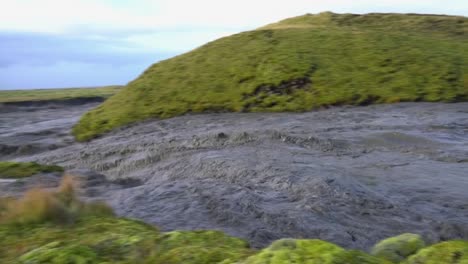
74	43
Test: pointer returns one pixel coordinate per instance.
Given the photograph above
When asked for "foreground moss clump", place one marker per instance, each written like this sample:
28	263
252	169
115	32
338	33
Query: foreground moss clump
300	64
398	248
114	240
451	252
201	247
310	252
89	240
15	170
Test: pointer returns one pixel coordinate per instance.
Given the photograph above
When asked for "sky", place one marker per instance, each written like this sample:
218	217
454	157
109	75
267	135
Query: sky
82	43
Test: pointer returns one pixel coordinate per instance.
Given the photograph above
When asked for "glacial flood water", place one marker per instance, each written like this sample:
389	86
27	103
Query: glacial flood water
349	175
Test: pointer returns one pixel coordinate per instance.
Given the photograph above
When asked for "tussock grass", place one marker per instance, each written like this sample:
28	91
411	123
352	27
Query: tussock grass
59	206
300	64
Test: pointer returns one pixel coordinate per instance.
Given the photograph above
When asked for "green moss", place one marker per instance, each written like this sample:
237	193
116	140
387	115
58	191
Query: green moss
57	253
296	251
300	64
15	170
95	239
202	247
451	252
309	252
399	247
202	238
358	257
116	240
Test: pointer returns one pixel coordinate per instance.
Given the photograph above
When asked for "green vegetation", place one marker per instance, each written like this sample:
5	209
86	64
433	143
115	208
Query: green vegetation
56	227
15	170
113	240
193	247
58	207
398	248
310	252
455	252
301	64
56	94
90	240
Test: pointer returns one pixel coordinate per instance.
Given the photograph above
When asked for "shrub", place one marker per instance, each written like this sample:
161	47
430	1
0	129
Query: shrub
35	206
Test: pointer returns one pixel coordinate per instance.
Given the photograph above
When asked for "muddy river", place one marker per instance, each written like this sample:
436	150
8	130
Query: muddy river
350	175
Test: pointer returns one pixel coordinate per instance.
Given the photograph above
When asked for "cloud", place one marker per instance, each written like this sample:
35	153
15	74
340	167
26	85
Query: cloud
43	49
62	15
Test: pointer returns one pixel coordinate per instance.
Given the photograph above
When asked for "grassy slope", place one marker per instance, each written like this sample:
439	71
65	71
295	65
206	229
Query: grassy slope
56	94
15	170
301	64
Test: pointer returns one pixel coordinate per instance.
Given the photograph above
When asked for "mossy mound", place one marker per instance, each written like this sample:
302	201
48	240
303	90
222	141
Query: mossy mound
398	248
115	240
310	252
296	251
450	252
90	240
16	170
193	247
300	64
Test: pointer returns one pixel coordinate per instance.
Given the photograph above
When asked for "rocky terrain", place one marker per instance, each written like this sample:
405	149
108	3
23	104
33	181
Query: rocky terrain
348	175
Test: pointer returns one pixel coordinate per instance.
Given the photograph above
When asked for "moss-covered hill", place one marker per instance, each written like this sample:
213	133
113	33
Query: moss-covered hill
299	64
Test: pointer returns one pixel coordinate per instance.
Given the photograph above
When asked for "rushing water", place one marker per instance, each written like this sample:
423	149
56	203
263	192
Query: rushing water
350	175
